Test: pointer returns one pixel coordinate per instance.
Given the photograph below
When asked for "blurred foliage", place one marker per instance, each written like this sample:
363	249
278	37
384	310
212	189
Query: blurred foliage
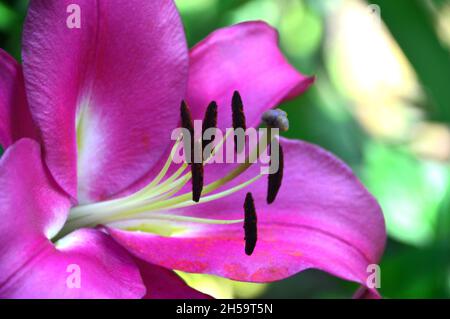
413	27
381	102
411	191
12	15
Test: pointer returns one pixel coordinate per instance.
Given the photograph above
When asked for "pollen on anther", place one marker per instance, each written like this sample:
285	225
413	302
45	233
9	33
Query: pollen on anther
196	168
250	224
209	121
238	116
276	178
186	117
197	181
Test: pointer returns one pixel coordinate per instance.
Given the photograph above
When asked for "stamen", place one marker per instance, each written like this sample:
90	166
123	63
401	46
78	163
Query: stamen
210	121
196	168
161	193
207	189
276	178
238	117
250	224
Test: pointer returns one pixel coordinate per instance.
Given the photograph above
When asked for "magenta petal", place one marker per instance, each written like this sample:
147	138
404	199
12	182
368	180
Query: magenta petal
162	283
15	118
115	83
243	57
33	203
323	218
105	270
32	211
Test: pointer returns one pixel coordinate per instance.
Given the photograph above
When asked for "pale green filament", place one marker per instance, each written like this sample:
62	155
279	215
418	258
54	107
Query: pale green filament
150	191
186	219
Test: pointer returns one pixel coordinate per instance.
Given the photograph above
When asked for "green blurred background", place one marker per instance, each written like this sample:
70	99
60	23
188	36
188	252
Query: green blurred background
381	103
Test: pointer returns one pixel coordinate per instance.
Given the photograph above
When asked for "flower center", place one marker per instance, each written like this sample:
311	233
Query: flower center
152	208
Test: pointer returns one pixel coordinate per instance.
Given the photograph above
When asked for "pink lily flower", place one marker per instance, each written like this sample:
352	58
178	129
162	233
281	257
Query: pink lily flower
102	195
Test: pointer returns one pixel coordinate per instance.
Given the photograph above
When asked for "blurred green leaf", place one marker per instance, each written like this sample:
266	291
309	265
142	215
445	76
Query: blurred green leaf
408	272
11	33
409	190
1	151
201	17
443	224
319	116
7	17
301	34
412	26
440	3
266	10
